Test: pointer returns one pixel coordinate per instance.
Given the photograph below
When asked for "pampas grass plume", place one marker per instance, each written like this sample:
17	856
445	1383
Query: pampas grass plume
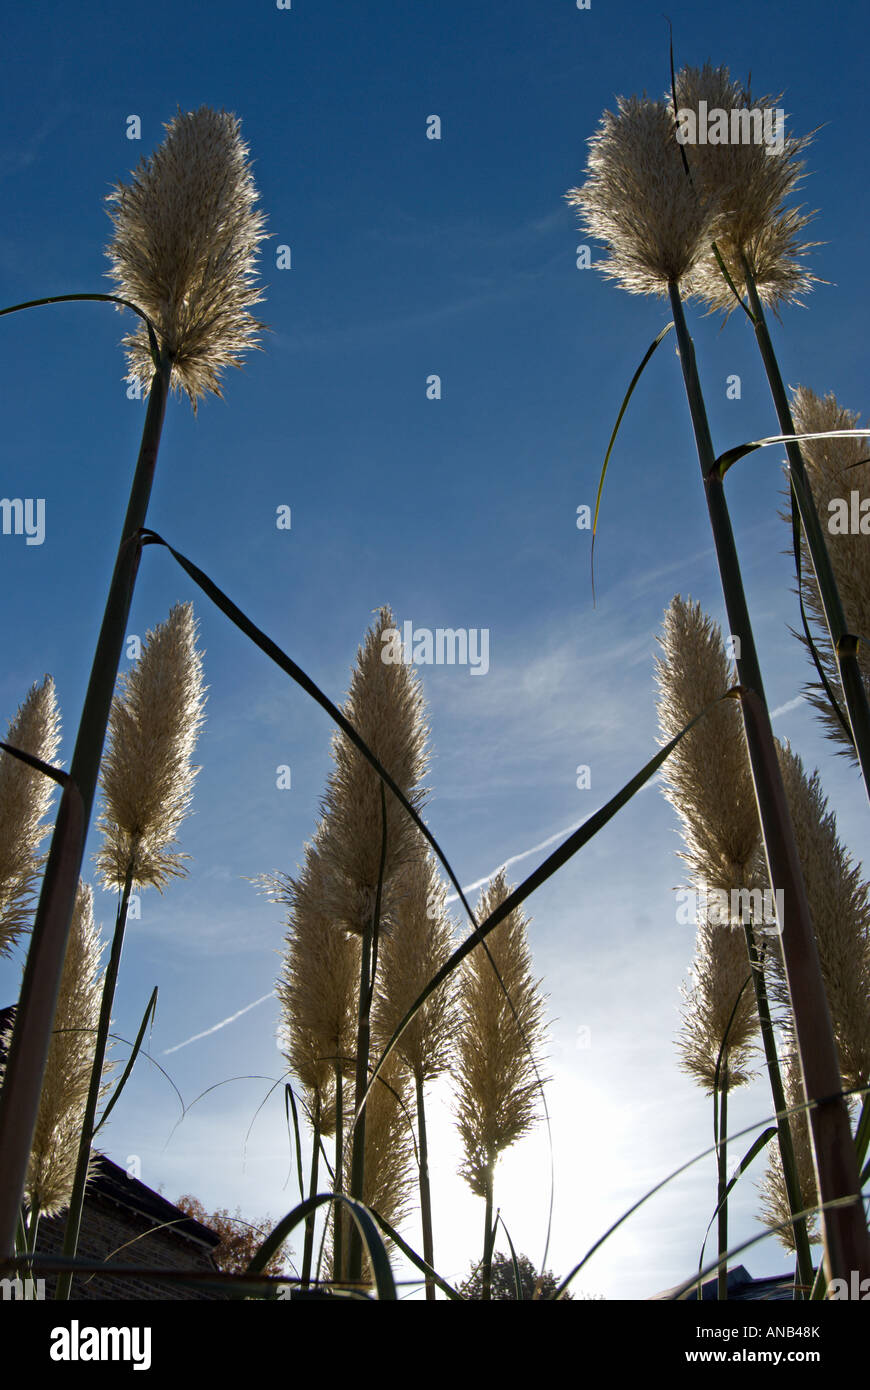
54	1150
496	1089
147	775
184	247
832	475
638	200
748	182
25	797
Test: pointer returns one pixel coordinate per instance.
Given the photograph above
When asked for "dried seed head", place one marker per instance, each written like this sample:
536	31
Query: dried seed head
839	904
54	1151
774	1194
319	984
833	478
707	777
147	776
419	941
718	1007
385	706
639	202
748	180
497	1092
25	797
184	249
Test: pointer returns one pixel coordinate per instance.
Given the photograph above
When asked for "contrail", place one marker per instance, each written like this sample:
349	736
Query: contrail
789	704
536	849
232	1018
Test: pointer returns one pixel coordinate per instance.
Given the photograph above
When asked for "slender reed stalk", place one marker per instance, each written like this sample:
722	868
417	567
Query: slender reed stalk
846	1238
186	233
147	784
497	1051
844	643
367	838
419	941
658	225
708	781
757	238
721	1126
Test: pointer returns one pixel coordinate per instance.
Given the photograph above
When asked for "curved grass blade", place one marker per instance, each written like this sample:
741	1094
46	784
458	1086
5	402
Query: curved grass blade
105	298
622	409
732	456
416	1259
281	659
569	847
57	774
797	496
771	1231
518	1283
150	1010
793	1110
374	1245
290	1101
757	1146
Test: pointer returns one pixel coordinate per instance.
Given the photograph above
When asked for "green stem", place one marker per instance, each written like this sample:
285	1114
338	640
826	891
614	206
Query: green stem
488	1236
783	1128
722	1166
77	1198
338	1207
308	1248
846	1239
19	1098
844	644
368	967
425	1191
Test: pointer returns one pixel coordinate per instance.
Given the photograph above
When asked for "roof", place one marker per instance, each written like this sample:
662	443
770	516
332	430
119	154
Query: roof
742	1288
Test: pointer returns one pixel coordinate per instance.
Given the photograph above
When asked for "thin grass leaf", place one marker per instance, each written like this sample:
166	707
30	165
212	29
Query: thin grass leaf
290	1103
416	1259
374	1245
755	1149
622	409
518	1283
150	1009
109	298
560	856
732	456
280	658
798	495
838	1201
745	1245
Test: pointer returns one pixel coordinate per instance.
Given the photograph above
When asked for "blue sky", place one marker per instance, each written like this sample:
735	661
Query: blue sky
411	257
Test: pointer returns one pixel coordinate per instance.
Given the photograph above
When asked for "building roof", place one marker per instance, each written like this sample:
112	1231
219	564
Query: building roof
742	1288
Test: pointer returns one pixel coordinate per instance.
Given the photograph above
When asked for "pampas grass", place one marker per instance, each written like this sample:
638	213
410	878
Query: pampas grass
417	943
25	798
51	1170
147	775
185	234
147	785
497	1050
840	904
638	201
747	182
831	471
184	250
